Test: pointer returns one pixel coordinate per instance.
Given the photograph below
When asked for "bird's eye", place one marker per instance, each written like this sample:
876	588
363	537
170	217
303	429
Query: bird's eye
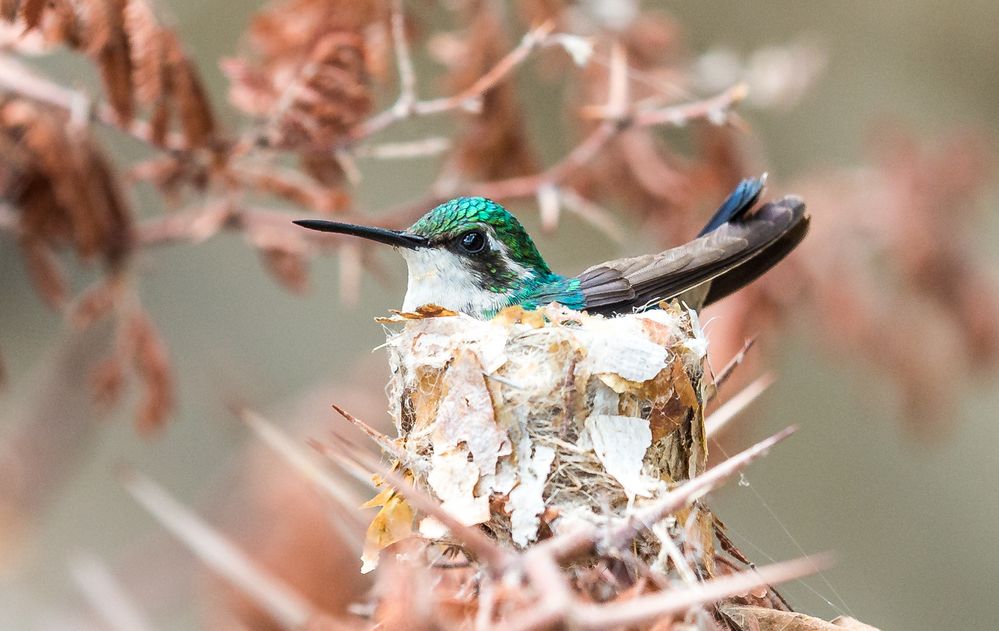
472	242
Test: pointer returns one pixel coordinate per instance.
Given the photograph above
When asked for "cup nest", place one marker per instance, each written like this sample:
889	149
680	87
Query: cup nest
531	421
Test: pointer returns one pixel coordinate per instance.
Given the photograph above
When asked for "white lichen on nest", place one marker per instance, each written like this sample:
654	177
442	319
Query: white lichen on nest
530	420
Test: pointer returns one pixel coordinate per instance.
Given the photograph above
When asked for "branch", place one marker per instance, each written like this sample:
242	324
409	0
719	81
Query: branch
347	523
20	79
714	109
106	595
407	105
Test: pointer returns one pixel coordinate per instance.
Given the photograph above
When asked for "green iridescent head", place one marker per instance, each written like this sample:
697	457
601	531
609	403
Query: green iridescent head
482	231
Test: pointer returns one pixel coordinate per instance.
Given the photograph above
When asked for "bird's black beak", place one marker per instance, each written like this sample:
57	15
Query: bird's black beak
394	238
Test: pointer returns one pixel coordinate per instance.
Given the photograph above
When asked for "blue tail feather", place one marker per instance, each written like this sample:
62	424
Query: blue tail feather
738	202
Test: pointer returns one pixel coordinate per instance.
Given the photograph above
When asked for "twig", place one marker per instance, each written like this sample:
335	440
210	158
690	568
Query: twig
644	608
715	109
404	108
282	603
8	219
693	489
404	61
583	153
384	442
592	213
554	598
731	408
426	147
727	370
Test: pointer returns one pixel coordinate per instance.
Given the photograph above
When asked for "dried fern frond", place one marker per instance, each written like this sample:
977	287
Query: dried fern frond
306	70
65	190
328	96
138	59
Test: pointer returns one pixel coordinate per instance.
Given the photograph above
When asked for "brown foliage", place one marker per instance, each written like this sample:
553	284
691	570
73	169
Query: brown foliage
139	60
309	71
329	95
67	192
152	366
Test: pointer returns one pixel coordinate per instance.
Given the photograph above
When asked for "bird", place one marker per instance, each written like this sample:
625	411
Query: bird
471	255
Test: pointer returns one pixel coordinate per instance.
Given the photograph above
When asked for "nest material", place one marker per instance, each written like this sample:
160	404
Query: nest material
531	421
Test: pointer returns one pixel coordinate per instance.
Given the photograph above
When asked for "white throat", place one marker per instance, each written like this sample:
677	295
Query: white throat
440	277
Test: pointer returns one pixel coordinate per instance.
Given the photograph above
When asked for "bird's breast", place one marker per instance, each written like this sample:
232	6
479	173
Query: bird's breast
442	278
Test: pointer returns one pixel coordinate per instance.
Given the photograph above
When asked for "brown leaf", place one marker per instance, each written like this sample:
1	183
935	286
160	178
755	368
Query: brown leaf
197	120
151	76
288	267
394	522
61	24
307	68
31	11
104	40
152	365
148	50
65	189
329	95
8	10
45	271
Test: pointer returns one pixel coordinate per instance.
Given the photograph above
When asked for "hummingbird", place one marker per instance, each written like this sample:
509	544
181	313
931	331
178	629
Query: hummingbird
471	255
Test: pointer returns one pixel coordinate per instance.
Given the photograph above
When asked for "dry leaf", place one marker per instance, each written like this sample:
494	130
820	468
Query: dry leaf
393	523
152	366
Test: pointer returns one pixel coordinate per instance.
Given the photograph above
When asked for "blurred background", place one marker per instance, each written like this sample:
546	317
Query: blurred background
893	468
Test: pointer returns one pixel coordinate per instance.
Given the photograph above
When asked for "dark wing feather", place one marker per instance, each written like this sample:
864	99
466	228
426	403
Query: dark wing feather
730	256
744	197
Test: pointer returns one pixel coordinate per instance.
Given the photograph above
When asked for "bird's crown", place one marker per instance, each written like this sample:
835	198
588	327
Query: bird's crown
479	226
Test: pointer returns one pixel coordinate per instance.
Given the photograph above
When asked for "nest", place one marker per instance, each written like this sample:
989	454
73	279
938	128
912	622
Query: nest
530	422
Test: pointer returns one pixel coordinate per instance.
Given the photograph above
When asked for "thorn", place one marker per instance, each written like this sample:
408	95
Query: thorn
299	460
384	442
635	611
617	100
726	371
282	603
731	408
690	491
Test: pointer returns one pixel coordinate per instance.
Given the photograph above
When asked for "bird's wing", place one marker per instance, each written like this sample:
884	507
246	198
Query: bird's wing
731	256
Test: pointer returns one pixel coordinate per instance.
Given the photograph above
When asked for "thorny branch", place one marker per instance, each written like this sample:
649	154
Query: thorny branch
538	569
